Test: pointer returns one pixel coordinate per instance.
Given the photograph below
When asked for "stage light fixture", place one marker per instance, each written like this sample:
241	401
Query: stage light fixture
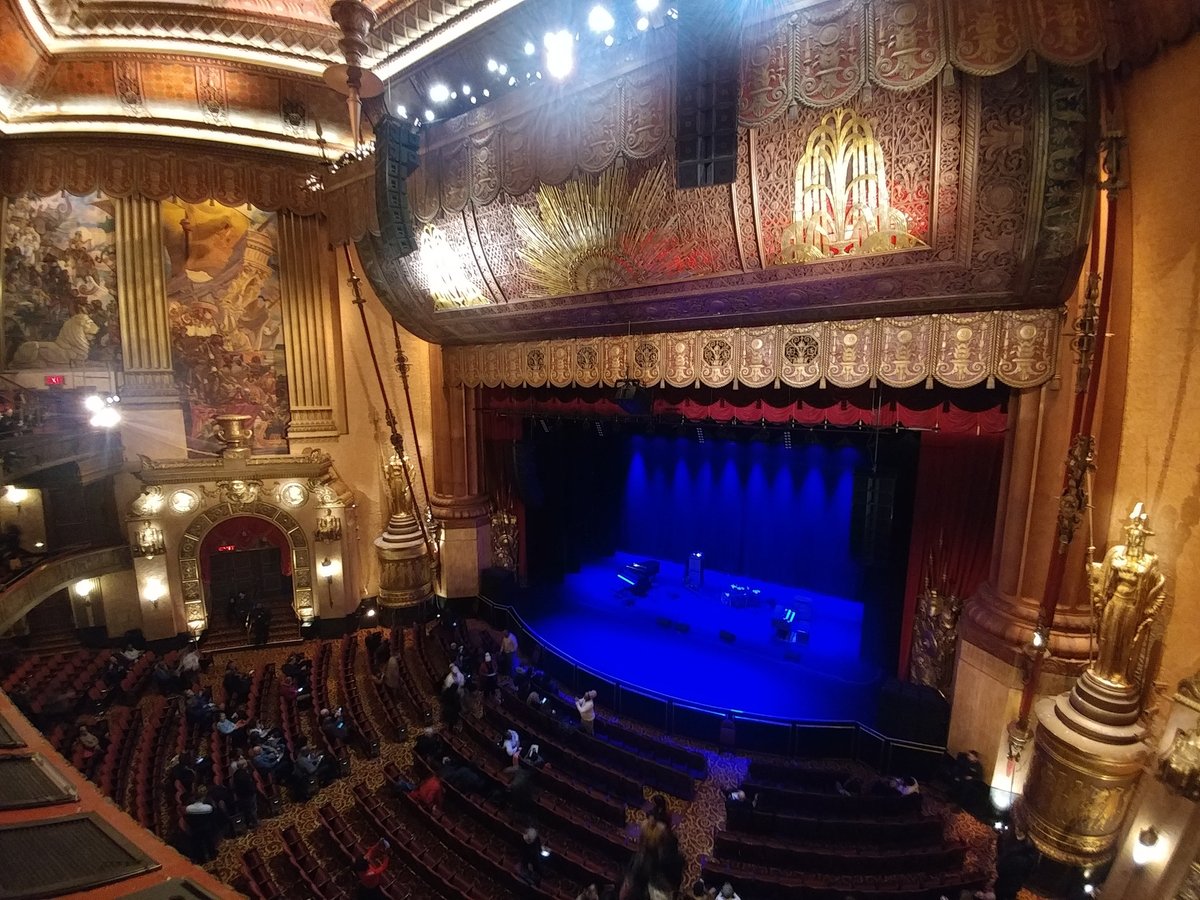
529	48
474	99
560	53
486	92
402	111
429	115
466	89
609	40
699	435
647	5
642	23
493	66
600	19
503	70
439	93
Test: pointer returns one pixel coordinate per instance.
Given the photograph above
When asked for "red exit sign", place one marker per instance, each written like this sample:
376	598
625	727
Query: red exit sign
56	380
226	548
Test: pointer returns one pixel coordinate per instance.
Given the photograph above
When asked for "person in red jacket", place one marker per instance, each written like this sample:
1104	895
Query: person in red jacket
370	869
429	793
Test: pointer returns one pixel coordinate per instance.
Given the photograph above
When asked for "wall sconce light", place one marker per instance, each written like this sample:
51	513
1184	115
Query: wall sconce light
83	589
326	570
1149	846
16	496
154	591
195	627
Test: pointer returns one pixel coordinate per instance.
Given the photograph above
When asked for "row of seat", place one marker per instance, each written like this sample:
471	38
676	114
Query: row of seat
399	882
364	729
835	859
767	883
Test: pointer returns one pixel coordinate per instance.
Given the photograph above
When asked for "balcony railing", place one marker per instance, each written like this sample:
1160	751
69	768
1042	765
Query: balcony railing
30	587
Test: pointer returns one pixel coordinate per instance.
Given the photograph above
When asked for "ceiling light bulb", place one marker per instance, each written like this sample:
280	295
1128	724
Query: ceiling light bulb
647	5
529	48
402	112
486	92
493	65
600	19
609	40
560	53
512	81
466	89
473	100
643	23
503	69
439	93
93	403
106	418
429	115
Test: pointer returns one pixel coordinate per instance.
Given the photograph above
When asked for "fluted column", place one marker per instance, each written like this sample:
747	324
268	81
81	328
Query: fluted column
142	301
311	344
458	501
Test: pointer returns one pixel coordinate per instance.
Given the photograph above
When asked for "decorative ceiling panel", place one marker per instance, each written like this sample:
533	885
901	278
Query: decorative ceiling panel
957	193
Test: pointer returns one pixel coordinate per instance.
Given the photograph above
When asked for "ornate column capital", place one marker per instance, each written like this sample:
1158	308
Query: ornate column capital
1003	625
460	512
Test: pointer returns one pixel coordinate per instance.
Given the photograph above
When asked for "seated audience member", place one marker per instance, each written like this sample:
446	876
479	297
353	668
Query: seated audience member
88	741
289	689
237	685
727	892
533	756
512	746
429	744
181	773
591	892
659	810
266	758
370	869
334	727
131	653
451	703
586	705
226	725
429	793
200	816
199	709
114	672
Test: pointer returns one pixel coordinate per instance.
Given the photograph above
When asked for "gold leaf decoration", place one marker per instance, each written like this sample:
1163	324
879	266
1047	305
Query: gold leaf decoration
598	233
843	206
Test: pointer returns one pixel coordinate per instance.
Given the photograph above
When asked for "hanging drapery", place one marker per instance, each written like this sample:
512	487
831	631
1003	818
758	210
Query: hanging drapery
958	479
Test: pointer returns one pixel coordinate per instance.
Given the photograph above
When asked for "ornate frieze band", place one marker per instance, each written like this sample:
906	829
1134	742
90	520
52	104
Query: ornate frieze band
155	172
1013	347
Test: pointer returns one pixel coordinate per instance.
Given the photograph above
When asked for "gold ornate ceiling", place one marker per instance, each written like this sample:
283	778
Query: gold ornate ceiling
231	71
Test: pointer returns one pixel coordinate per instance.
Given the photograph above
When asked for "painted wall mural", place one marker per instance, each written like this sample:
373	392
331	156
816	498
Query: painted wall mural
223	295
60	283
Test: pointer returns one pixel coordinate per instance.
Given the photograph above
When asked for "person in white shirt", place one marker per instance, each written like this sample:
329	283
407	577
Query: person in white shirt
131	652
512	746
587	711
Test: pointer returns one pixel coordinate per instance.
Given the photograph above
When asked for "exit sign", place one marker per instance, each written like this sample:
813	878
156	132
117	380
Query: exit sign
226	548
56	380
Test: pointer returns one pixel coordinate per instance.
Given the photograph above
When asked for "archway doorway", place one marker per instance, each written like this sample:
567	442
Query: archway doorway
246	567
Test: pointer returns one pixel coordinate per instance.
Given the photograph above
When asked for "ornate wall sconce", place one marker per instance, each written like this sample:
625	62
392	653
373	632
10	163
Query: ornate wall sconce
16	496
329	528
154	590
327	568
83	590
1149	847
149	541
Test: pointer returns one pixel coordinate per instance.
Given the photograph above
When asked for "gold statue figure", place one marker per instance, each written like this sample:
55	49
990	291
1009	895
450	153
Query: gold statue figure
1127	594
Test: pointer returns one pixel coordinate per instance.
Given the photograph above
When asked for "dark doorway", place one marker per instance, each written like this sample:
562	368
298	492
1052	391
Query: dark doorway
255	572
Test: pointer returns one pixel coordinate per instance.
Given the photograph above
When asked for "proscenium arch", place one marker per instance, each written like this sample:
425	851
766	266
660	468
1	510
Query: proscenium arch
194	601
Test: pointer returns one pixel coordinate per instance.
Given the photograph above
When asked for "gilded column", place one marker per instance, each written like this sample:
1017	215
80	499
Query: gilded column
311	344
458	501
142	301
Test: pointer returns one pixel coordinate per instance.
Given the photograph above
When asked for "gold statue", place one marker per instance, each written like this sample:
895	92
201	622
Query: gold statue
1127	594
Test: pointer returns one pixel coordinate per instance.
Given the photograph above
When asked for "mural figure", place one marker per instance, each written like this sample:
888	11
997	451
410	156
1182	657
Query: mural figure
226	323
60	282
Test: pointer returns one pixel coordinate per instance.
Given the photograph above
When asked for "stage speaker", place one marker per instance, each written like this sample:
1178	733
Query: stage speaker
396	146
525	471
707	66
728	636
874	501
913	712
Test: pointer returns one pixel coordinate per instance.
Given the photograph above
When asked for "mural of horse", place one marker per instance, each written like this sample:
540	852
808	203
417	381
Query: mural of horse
71	347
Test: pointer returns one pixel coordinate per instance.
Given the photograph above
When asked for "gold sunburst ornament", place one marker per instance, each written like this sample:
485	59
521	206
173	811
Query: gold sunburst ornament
598	233
842	204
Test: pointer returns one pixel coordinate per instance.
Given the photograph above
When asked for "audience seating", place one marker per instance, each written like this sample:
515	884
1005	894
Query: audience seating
262	882
317	880
353	706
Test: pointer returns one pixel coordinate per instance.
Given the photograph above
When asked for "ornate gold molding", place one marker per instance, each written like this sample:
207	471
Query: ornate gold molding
310	342
142	296
1017	348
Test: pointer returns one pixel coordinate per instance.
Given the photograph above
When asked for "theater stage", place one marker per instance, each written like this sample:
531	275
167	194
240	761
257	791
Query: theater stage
592	618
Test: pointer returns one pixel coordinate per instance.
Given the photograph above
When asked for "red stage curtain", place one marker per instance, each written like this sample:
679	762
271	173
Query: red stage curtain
245	533
954	514
944	410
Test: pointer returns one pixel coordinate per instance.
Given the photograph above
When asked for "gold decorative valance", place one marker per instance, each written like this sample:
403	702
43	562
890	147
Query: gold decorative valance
1013	347
190	173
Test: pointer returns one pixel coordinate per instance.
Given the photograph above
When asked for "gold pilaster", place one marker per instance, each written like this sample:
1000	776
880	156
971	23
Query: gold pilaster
142	300
311	344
